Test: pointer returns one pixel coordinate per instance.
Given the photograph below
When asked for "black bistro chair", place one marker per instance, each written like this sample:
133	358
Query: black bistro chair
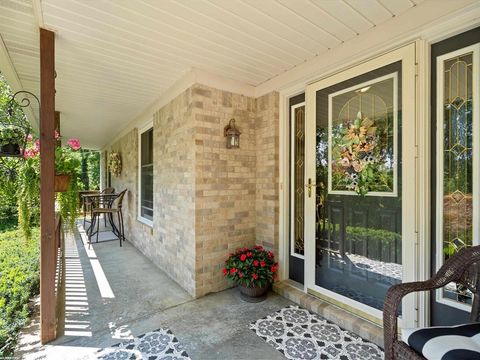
110	208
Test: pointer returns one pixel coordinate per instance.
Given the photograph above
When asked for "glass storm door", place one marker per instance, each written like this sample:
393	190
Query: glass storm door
455	154
359	205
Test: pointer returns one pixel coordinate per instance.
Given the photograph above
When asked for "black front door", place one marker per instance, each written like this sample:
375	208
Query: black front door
455	164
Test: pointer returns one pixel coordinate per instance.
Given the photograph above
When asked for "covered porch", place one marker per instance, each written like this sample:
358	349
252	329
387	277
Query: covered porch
311	130
113	294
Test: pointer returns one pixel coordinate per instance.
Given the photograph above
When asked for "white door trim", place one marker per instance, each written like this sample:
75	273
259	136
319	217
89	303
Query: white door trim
405	54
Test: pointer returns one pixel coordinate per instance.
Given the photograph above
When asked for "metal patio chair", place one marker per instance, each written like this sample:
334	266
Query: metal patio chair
114	207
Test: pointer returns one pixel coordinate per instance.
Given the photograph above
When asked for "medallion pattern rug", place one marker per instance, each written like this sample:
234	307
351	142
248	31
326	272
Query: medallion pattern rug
159	344
300	334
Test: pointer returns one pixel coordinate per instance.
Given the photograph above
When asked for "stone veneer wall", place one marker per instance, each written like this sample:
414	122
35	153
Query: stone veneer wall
208	200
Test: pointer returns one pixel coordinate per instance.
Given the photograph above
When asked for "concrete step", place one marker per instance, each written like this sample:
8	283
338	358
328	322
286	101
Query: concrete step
346	320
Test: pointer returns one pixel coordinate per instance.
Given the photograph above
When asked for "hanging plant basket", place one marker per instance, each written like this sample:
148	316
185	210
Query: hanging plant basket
115	163
62	181
10	150
14	125
12	140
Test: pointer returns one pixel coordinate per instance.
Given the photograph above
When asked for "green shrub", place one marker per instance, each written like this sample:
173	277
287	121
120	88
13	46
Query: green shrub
19	281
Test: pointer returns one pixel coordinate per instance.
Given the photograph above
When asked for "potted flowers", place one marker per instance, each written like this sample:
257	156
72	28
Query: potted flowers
67	164
12	139
67	168
253	270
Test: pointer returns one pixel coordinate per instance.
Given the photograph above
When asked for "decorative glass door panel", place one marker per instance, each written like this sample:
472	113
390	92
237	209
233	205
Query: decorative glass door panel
457	163
297	188
358	232
298	180
360	212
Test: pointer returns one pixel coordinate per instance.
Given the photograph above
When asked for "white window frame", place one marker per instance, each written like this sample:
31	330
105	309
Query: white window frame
475	49
140	218
394	192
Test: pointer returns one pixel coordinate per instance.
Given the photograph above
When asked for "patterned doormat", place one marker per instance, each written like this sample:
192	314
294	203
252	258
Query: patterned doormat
159	344
300	334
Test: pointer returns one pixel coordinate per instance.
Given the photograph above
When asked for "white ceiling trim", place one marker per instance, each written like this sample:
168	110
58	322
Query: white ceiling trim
38	12
115	57
9	72
194	76
425	20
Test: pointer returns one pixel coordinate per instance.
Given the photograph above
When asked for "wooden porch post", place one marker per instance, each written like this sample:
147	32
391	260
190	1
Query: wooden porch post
47	193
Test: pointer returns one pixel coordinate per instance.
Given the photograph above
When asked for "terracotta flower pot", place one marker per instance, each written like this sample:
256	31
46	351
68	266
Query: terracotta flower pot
253	294
61	182
10	150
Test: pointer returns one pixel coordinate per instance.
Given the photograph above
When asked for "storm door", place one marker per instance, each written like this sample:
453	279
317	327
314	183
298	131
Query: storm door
455	165
359	204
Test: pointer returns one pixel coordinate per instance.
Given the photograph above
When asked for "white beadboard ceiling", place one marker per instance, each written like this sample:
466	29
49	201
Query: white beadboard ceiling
115	57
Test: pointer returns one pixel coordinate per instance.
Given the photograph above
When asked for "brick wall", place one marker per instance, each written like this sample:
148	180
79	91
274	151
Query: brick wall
208	200
225	182
127	148
174	191
267	171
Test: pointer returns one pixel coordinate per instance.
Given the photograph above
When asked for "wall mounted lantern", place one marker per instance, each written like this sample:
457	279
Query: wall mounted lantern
232	134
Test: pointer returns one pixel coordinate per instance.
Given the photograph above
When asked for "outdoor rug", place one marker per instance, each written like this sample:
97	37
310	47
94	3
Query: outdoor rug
159	344
300	334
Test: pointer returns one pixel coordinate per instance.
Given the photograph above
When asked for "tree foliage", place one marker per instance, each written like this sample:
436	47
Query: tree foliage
19	281
20	178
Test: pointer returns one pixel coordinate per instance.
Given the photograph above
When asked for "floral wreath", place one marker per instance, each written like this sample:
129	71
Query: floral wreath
358	158
115	163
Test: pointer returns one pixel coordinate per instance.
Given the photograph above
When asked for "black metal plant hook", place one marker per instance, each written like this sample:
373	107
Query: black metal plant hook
20	99
25	101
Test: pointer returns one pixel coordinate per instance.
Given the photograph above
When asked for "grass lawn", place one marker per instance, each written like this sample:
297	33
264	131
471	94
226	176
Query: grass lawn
19	281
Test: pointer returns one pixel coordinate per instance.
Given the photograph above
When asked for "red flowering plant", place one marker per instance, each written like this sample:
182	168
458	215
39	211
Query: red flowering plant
253	268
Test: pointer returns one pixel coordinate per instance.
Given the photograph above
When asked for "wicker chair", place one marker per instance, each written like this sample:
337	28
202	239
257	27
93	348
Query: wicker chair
462	268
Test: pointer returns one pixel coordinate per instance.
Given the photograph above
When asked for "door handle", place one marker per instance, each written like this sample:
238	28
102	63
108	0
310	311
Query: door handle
310	185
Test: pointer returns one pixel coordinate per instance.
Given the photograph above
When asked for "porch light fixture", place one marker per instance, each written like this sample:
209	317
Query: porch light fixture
232	134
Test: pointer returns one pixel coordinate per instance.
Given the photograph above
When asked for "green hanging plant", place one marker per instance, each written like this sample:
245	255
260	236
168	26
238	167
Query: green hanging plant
10	134
67	162
28	195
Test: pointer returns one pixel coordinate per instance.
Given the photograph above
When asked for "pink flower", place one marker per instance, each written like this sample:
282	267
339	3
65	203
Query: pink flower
57	135
37	145
74	144
27	154
29	137
30	153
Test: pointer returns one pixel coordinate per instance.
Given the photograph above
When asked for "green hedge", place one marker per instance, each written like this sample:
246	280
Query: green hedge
19	281
377	244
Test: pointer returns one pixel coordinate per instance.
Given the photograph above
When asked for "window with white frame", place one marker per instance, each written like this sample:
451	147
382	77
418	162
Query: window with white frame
145	206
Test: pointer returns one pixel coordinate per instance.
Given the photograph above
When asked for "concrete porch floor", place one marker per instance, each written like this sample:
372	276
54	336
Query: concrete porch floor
114	293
